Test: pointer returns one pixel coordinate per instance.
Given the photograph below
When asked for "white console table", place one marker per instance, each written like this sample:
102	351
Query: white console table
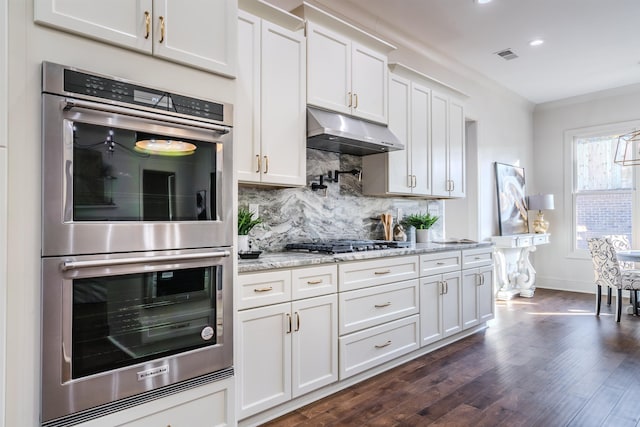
514	273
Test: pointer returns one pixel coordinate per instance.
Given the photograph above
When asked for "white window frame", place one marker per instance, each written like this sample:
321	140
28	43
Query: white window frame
570	180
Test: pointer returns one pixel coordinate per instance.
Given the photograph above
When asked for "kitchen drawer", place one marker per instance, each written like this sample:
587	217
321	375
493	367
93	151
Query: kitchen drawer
314	281
258	289
368	307
380	271
366	349
440	262
477	257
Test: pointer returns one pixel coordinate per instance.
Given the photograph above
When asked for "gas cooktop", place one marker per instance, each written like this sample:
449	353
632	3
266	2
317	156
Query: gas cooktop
339	246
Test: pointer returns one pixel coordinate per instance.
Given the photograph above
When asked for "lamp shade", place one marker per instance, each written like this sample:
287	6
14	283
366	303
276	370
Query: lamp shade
541	202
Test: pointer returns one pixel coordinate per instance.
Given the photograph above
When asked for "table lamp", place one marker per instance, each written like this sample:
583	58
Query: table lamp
540	202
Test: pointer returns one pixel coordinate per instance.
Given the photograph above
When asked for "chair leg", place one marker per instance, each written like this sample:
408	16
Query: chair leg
608	296
634	293
618	304
598	300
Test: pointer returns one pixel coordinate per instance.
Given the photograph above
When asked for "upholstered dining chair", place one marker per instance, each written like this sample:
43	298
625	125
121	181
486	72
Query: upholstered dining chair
608	272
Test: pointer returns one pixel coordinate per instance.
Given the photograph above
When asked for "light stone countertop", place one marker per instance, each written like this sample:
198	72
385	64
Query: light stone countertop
274	260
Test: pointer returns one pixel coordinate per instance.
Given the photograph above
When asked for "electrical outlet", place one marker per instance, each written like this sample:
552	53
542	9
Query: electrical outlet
433	209
254	208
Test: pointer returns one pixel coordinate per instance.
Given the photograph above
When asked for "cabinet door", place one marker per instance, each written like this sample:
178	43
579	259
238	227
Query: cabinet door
369	84
264	358
315	343
200	33
456	149
328	69
486	295
471	282
399	162
121	22
283	110
247	105
439	156
420	139
452	304
431	309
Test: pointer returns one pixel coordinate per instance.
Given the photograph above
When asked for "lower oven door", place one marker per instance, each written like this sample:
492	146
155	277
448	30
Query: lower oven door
122	324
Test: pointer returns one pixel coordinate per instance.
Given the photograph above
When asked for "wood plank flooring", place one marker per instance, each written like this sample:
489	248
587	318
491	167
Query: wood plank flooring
544	361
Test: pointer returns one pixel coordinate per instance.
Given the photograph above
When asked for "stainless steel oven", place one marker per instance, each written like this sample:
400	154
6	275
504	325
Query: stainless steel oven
136	243
132	168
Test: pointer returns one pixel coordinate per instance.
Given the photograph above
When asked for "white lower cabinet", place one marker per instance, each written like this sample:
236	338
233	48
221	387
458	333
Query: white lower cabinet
440	306
477	287
210	405
288	349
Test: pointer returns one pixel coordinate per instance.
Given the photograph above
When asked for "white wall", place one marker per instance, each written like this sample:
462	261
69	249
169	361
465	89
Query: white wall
29	45
555	269
3	201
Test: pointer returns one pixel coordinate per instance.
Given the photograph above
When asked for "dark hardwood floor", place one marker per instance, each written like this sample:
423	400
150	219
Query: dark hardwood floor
545	361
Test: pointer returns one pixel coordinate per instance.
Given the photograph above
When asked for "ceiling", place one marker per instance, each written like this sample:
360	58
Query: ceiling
590	45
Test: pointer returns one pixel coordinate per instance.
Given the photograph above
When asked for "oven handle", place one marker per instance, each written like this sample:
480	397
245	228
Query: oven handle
78	103
72	265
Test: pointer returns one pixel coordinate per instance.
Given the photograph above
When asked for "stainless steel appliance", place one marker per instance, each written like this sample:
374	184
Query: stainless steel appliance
136	244
114	179
337	246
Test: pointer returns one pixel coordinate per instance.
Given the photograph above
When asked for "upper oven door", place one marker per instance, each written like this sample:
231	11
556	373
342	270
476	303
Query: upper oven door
105	191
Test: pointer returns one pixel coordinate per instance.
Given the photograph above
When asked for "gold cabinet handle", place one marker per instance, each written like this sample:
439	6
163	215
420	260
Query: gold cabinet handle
388	343
387	304
410	181
440	263
414	181
297	321
382	272
289	322
350	96
482	280
441	287
259	163
147	24
446	287
267	289
355	95
266	164
161	19
314	282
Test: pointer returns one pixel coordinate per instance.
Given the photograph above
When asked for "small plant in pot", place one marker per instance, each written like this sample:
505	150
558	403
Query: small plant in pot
422	222
246	222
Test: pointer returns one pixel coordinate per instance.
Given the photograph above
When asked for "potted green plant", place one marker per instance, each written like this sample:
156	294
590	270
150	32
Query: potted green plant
246	222
422	222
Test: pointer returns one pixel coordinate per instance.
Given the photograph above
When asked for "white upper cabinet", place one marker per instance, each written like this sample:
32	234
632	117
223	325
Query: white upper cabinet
270	106
404	172
198	33
448	146
346	67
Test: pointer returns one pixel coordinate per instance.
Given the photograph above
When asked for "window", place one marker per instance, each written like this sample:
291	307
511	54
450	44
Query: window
603	192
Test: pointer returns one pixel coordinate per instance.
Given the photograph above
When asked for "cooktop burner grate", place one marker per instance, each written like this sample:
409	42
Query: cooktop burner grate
345	246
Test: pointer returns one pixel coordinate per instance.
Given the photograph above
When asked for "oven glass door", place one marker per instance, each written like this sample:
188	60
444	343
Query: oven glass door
131	318
125	175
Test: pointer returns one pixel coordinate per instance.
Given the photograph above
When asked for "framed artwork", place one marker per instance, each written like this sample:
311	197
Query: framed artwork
512	203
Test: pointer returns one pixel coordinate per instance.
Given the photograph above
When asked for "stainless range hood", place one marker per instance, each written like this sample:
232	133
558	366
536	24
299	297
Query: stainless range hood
339	133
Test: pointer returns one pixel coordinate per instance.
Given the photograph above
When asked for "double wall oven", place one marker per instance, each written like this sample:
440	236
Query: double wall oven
136	244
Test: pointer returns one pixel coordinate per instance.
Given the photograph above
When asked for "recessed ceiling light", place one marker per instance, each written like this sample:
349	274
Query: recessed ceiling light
536	42
483	1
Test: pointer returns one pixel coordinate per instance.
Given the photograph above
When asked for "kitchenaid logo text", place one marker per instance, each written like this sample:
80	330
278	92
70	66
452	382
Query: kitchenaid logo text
160	370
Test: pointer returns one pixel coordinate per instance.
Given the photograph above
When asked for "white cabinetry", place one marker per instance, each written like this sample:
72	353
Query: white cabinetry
477	287
379	304
199	33
270	102
287	348
210	405
404	172
447	146
346	67
440	296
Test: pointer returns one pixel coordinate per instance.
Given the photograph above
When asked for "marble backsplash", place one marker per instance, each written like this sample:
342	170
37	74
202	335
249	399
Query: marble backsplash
302	214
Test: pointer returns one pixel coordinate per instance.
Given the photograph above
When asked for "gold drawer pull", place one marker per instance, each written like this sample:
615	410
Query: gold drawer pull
478	257
388	343
267	289
382	272
383	305
147	24
314	282
162	30
440	263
